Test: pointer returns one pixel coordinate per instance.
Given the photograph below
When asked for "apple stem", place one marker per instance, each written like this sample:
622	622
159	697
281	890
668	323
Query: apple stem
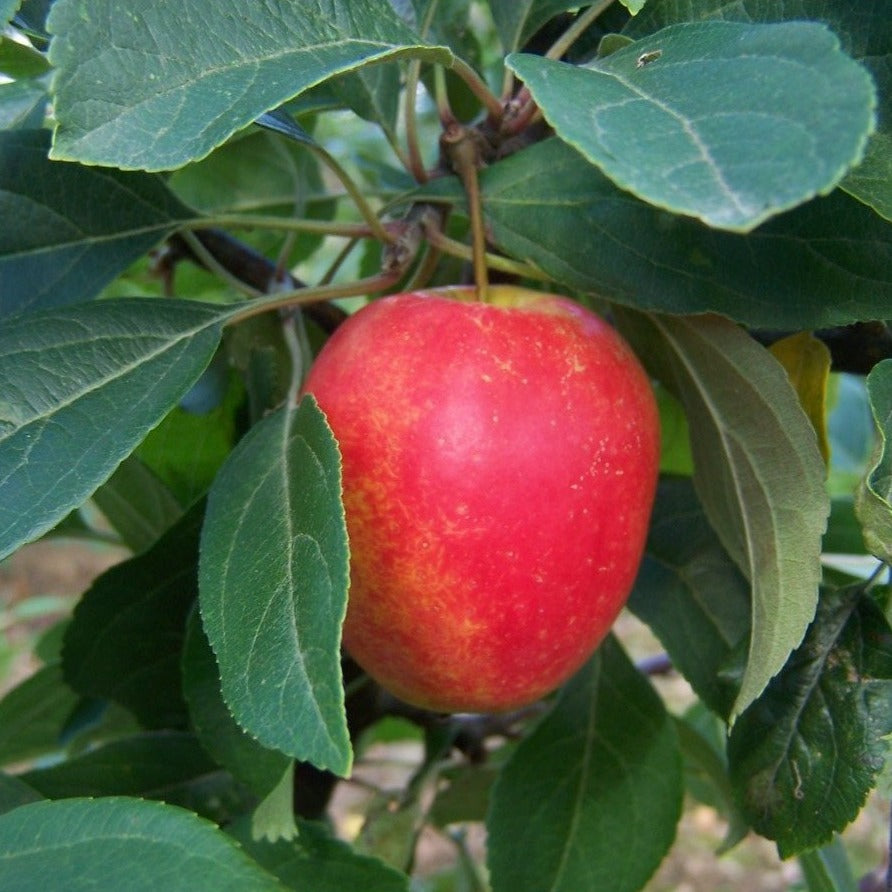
479	88
415	161
210	263
286	224
415	164
303	296
576	30
493	261
461	145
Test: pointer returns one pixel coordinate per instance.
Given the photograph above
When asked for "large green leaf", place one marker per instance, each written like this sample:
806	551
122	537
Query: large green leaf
273	581
121	843
727	122
591	798
82	386
865	30
126	635
166	765
874	499
693	596
166	82
757	470
549	206
78	227
805	755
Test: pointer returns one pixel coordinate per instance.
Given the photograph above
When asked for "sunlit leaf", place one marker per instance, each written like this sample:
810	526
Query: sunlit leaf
133	92
727	122
865	31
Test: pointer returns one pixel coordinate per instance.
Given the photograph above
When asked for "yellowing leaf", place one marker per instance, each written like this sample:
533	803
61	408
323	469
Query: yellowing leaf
807	362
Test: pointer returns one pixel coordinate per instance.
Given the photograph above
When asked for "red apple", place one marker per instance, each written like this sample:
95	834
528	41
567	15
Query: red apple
499	467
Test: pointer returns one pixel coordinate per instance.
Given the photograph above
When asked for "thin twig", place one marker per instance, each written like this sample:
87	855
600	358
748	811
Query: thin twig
576	30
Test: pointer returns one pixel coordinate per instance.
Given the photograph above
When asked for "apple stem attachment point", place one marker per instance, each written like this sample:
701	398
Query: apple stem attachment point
461	146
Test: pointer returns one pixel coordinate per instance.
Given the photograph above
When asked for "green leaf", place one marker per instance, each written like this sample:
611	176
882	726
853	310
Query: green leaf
192	85
137	504
82	386
871	180
33	714
126	635
316	862
757	470
14	793
675	437
7	10
273	818
121	843
827	869
726	122
463	793
257	171
591	798
188	447
706	769
20	60
273	582
873	503
865	31
805	755
518	20
166	765
259	768
549	206
84	225
693	596
843	534
22	107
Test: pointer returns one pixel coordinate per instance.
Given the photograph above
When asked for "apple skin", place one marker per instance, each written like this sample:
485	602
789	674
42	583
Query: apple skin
499	467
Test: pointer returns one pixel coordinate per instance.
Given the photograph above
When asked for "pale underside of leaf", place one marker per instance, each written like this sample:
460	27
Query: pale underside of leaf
758	472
